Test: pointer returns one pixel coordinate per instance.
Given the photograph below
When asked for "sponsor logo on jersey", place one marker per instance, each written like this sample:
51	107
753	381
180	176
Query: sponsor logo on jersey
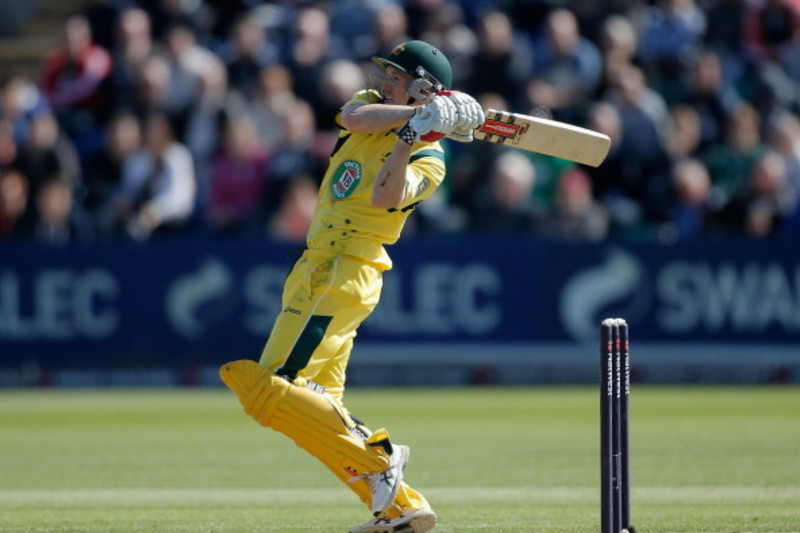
346	179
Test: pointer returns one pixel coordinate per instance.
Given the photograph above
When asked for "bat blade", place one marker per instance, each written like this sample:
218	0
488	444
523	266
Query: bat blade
544	136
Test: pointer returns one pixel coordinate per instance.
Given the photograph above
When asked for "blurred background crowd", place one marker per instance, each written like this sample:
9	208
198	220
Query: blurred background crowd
216	117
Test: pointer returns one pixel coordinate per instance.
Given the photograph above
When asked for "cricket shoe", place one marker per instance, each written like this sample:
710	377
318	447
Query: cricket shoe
413	521
384	485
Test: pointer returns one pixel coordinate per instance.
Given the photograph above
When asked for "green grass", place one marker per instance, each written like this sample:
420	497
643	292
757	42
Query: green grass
489	459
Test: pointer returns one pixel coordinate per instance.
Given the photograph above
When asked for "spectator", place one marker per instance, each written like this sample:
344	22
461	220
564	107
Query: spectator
300	151
339	80
686	132
725	35
501	54
102	16
308	50
158	189
760	207
266	105
75	82
445	28
59	220
618	46
14	199
567	68
771	31
49	153
293	217
238	186
710	96
672	31
643	164
352	22
506	204
784	137
731	162
123	139
134	47
197	81
574	216
9	148
246	53
20	102
692	214
389	28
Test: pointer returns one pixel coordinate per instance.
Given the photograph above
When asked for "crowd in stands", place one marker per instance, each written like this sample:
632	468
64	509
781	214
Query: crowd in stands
164	117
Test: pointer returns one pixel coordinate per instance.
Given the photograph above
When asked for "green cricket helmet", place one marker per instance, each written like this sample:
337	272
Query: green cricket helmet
421	60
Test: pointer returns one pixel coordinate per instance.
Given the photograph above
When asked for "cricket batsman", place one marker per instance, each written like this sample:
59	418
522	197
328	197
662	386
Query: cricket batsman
387	160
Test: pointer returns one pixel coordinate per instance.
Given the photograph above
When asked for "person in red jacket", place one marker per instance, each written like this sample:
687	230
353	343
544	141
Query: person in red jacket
73	82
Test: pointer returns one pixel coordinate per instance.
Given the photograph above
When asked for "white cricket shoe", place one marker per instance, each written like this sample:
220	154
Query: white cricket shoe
384	485
416	521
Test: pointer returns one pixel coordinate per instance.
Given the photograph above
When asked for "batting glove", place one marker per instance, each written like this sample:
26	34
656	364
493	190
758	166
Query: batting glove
432	121
470	116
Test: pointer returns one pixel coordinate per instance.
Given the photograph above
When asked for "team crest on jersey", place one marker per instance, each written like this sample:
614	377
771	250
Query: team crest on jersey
346	179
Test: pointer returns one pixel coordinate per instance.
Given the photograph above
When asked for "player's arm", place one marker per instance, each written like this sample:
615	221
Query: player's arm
389	190
375	118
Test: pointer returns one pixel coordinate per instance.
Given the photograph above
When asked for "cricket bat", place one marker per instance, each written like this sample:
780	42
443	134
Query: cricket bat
544	136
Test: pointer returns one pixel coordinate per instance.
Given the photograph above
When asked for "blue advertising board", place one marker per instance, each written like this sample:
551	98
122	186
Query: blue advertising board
185	302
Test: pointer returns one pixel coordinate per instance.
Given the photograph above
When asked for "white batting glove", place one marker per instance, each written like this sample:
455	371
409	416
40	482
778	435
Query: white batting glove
431	122
470	116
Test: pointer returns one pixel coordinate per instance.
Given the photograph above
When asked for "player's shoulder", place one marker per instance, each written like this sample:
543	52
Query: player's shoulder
364	97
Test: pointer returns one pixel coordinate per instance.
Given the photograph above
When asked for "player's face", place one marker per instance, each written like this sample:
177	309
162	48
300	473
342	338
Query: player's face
394	86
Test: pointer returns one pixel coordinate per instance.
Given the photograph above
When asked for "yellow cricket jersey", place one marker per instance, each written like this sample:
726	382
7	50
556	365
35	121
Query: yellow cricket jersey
345	221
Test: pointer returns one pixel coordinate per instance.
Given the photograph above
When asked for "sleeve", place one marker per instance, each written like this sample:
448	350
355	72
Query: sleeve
426	171
363	97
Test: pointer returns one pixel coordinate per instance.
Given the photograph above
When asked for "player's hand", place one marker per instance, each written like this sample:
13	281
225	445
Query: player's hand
470	115
432	121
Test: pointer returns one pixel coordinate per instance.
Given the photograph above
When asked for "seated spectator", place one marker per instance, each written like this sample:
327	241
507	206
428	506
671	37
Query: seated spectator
574	216
293	217
238	184
47	153
692	215
642	172
123	139
302	150
772	28
730	163
567	68
762	205
158	188
672	30
246	53
197	77
506	203
58	220
618	43
9	147
686	132
309	48
389	28
783	136
20	102
14	200
707	92
273	96
339	81
134	46
501	54
74	81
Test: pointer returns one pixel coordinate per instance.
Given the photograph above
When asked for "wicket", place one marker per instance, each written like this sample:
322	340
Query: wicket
615	386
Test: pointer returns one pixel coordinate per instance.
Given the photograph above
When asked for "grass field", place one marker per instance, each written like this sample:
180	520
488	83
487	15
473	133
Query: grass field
489	459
